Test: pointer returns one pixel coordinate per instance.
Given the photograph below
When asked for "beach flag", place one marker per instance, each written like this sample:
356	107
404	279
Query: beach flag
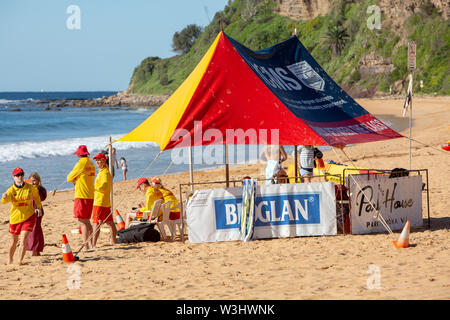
279	93
403	240
66	250
408	96
248	208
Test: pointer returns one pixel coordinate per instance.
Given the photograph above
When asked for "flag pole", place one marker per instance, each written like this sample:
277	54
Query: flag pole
410	122
111	164
411	66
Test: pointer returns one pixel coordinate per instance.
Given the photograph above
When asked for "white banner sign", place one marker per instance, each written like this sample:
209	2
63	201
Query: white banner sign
281	210
397	200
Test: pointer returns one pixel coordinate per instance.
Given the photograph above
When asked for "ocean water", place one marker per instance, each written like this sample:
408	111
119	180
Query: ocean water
37	137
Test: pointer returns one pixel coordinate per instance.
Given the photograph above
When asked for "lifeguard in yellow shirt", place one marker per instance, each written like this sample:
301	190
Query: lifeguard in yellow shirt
151	195
168	196
22	216
102	200
83	176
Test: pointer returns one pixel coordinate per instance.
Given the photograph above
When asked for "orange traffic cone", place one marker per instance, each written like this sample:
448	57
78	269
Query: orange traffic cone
66	250
120	224
403	240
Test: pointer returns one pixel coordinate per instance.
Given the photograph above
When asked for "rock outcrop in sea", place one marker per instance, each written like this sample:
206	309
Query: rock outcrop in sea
119	99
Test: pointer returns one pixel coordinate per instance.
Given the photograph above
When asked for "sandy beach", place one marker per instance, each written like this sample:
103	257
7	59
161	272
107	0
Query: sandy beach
333	267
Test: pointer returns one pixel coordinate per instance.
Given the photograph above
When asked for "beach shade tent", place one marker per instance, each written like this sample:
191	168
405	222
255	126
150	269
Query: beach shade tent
278	95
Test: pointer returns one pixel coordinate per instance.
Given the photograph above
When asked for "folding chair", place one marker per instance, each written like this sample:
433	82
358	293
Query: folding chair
165	207
174	224
150	216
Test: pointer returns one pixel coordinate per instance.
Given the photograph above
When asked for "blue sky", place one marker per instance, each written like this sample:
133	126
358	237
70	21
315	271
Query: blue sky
38	50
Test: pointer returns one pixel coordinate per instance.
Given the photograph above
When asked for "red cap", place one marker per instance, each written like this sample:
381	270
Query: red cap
81	151
100	156
156	180
17	171
141	181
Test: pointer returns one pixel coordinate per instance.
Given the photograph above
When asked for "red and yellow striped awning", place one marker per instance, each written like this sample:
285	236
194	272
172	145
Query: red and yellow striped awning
280	91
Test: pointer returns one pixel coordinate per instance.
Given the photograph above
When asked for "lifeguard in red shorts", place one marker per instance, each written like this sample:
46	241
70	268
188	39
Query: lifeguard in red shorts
83	176
22	216
102	200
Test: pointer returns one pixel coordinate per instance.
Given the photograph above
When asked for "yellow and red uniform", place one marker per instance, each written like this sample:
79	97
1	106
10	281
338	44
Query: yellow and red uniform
22	209
169	196
151	196
102	188
102	196
84	175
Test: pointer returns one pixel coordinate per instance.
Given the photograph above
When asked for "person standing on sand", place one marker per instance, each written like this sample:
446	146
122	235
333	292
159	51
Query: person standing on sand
35	241
22	216
83	176
306	162
101	211
275	156
123	164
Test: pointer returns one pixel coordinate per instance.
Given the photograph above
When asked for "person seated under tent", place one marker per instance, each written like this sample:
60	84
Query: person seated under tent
168	196
152	194
280	177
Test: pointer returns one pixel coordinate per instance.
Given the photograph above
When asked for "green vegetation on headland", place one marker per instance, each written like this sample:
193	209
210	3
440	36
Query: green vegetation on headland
361	60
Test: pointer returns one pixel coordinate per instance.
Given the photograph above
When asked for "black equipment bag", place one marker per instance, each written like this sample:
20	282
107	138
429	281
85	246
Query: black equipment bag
139	233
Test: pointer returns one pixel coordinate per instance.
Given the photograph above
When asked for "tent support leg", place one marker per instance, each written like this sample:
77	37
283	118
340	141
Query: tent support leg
227	167
191	169
296	163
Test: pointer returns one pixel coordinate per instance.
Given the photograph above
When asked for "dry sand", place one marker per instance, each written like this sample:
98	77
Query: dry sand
333	267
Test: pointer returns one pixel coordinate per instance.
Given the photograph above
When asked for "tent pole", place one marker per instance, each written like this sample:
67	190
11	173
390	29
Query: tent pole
227	167
296	163
111	164
191	169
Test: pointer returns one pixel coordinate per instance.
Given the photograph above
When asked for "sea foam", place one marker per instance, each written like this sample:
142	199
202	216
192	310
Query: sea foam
52	148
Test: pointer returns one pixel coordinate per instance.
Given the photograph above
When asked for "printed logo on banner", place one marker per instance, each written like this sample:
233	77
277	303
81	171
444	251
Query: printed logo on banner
285	209
306	74
396	199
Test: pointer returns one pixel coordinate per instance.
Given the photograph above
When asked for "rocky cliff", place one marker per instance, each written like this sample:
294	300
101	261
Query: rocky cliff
303	9
395	10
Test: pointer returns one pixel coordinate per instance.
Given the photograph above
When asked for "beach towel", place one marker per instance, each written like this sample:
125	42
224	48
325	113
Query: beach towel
248	208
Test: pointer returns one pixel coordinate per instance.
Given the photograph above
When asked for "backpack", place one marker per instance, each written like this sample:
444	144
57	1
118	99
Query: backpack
139	233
